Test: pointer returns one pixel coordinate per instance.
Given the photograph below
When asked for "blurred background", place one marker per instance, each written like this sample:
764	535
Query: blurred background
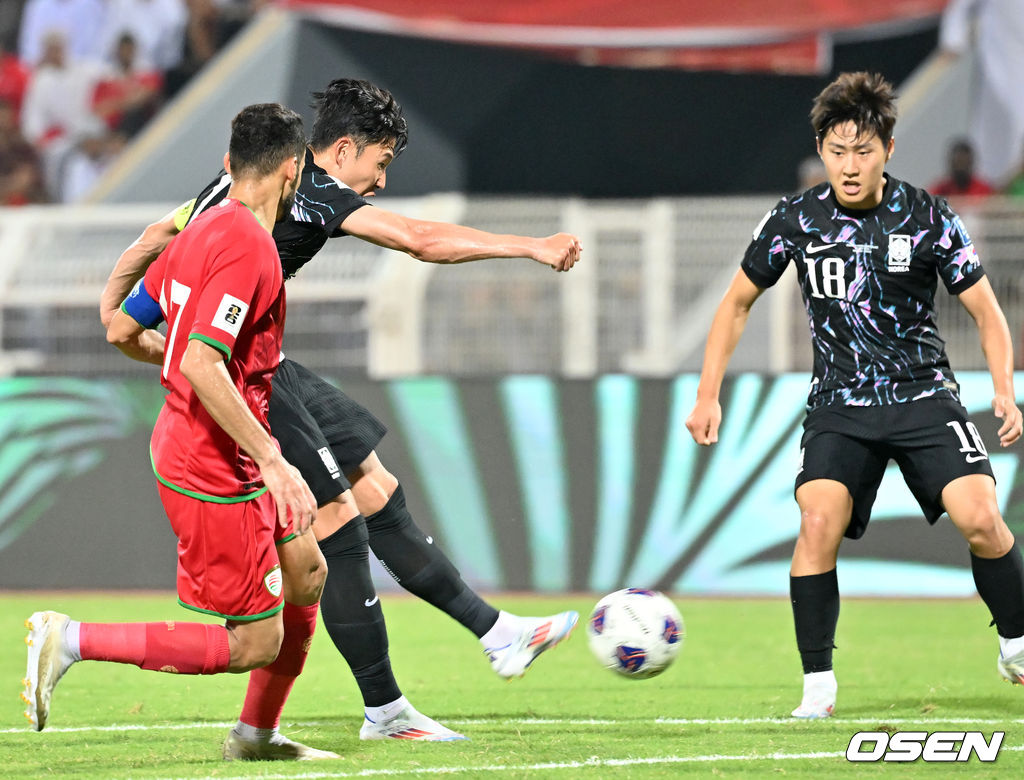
536	420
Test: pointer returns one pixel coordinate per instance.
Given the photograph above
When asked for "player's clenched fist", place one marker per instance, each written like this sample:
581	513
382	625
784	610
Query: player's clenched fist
560	251
703	421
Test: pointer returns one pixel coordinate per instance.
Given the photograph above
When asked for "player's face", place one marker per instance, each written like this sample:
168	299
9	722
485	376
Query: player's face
855	164
366	171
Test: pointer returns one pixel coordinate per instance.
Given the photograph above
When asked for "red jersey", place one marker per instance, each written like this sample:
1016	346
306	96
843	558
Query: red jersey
949	188
219	281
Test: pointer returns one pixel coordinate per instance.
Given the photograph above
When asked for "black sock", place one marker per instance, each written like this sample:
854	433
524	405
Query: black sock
422	569
815	599
1000	583
352	613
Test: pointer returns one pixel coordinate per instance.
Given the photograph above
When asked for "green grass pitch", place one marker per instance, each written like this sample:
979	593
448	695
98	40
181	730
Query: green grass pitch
721	710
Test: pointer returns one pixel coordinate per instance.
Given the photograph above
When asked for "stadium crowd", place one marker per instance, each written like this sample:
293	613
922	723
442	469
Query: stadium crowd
79	78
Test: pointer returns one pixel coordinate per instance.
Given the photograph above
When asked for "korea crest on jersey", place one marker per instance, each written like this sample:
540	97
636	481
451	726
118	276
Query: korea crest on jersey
899	253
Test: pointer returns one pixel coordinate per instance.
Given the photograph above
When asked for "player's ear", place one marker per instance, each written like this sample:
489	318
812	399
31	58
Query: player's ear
889	148
343	147
227	162
290	168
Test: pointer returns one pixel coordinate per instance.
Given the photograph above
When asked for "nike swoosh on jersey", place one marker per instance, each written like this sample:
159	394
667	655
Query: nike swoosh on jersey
430	540
813	250
371	602
975	458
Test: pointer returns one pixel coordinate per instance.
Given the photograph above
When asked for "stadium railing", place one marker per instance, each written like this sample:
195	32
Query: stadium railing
652	274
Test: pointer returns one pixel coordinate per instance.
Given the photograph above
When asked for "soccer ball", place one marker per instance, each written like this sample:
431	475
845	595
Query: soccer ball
635	632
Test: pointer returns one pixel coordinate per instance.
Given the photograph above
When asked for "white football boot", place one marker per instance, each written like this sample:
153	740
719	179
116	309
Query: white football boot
535	636
48	660
277	748
1012	668
410	724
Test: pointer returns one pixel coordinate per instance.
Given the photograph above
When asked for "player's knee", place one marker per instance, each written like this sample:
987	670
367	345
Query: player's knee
372	491
258	649
304	576
817	525
982	524
371	473
317	575
335	514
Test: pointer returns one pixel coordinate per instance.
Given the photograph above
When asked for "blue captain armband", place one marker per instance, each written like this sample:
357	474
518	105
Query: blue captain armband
140	306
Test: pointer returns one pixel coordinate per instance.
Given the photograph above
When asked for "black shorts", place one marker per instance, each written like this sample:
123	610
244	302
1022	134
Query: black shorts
323	432
932	442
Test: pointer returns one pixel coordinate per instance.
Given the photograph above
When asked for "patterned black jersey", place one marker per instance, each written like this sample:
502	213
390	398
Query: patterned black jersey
322	203
868	279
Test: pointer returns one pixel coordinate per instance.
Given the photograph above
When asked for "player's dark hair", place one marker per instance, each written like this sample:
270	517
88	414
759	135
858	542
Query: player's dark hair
263	136
866	99
366	113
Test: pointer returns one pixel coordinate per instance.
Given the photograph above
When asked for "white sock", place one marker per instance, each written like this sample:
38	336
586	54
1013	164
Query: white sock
253	734
1008	647
72	639
505	629
816	683
386	711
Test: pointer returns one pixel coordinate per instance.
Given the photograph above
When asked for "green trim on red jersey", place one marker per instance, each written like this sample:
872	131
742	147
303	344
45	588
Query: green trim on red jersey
238	618
212	342
204	496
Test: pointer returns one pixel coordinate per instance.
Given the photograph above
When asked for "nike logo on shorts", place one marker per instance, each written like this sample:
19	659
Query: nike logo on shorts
975	458
371	602
430	540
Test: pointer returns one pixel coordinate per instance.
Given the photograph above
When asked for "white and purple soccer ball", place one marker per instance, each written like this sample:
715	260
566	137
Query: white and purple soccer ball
635	632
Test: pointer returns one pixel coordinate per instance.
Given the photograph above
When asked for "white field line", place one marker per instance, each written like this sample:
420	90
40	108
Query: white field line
589	763
920	722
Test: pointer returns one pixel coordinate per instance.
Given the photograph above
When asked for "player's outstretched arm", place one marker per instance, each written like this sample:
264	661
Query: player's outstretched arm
441	242
133	262
980	302
203	366
726	328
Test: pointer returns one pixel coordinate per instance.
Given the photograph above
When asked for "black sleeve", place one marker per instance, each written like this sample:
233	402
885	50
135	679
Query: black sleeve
766	257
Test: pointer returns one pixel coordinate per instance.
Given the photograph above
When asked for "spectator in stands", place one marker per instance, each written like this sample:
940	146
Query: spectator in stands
13	79
211	23
58	105
156	26
233	15
79	20
995	28
127	96
21	172
960	176
96	149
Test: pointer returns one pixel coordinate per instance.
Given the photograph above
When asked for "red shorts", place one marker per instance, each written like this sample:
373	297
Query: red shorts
227	555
